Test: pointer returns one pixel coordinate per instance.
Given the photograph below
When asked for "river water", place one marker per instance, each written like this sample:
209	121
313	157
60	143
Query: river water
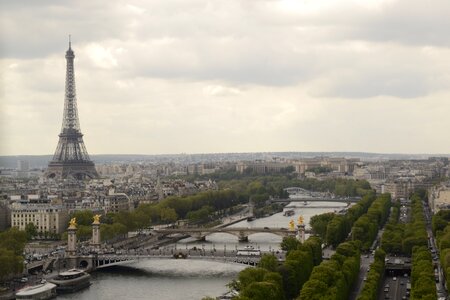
189	279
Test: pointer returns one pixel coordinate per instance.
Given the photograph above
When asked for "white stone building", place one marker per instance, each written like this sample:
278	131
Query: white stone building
46	218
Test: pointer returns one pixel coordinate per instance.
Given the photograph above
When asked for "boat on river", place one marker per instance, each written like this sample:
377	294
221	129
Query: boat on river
288	213
41	291
248	251
71	281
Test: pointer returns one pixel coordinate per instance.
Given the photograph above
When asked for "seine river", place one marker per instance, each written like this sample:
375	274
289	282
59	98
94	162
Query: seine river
185	279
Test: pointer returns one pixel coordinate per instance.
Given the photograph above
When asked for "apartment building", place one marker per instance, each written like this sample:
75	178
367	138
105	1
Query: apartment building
46	218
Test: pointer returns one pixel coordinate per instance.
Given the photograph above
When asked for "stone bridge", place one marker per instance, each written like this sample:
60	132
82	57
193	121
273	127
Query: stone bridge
241	232
317	199
297	194
99	261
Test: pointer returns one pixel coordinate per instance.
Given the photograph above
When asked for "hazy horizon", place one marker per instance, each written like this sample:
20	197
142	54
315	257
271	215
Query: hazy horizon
255	152
194	76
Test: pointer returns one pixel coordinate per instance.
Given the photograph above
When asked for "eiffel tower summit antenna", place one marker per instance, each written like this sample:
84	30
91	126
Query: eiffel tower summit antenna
71	159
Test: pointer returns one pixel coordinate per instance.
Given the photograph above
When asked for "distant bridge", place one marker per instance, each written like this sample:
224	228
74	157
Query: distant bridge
318	199
297	190
241	232
314	206
297	194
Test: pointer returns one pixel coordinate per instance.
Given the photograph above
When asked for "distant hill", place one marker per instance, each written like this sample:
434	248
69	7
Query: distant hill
41	161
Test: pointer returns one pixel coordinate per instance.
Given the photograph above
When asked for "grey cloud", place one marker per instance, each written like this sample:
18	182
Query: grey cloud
36	31
280	74
367	85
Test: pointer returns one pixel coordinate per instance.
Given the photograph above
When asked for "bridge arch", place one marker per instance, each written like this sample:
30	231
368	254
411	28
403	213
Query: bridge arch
241	233
83	264
105	262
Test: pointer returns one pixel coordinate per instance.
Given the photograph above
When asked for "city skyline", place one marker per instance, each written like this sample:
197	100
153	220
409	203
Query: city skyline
202	77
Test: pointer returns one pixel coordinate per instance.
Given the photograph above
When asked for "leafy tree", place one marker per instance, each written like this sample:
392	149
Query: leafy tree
84	232
313	245
31	230
320	222
422	276
84	217
262	291
374	277
13	239
200	215
12	243
168	215
440	220
268	262
249	275
289	243
333	278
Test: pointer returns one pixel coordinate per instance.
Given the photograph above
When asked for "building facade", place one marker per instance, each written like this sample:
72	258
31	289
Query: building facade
46	218
116	202
5	215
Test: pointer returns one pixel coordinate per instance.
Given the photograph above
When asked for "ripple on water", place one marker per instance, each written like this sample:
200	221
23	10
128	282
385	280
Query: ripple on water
185	267
160	279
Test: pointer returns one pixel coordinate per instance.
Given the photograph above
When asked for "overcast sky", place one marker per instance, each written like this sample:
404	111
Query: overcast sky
193	76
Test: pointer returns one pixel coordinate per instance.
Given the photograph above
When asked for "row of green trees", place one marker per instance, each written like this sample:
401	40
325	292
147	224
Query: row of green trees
391	240
374	277
333	278
274	185
422	275
12	243
399	238
335	228
443	242
411	238
415	231
440	220
33	233
196	207
365	229
273	281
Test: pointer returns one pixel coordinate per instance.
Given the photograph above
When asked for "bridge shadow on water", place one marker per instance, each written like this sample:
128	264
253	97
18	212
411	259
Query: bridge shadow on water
125	270
174	268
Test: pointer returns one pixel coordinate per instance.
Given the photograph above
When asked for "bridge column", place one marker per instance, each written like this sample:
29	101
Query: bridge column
72	238
251	208
95	242
301	233
243	237
300	229
199	236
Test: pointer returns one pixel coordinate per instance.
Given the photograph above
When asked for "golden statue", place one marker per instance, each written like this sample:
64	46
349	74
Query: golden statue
97	219
292	225
73	223
300	220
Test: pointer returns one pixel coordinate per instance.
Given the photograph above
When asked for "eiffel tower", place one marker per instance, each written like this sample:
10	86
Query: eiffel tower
71	160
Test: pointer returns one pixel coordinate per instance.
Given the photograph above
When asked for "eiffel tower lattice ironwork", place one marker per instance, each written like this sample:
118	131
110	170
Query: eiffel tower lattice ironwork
71	159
